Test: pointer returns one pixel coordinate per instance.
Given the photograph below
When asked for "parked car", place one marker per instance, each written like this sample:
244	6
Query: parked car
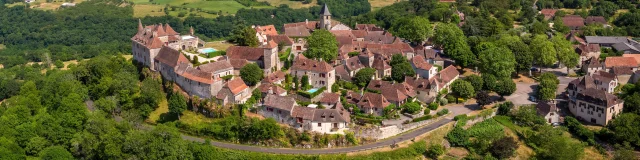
532	98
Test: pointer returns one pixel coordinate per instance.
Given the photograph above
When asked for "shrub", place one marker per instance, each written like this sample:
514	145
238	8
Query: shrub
411	108
505	108
59	64
423	118
443	101
434	151
460	117
433	106
443	112
504	147
227	77
451	99
458	137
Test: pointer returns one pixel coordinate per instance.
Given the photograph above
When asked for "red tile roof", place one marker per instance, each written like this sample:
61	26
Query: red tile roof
620	62
635	56
244	52
548	12
170	30
584	49
421	63
595	20
573	21
264	88
284	39
275	76
215	66
266	30
236	85
238	63
448	74
197	75
170	56
304	64
330	98
373	100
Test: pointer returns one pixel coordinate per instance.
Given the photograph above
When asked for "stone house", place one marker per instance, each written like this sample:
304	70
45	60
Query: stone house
600	81
591	66
263	31
285	110
235	91
266	56
373	103
349	68
587	51
320	73
426	90
268	88
628	62
549	111
574	22
275	77
148	41
329	100
595	106
395	93
548	13
423	68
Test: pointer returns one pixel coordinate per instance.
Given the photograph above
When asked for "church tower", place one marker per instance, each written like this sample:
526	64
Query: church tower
325	22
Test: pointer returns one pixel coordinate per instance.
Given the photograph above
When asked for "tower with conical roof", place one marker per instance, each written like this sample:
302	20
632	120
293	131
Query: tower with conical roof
325	22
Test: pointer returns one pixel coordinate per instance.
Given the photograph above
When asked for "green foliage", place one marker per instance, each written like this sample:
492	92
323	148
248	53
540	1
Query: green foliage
605	9
522	54
442	112
415	29
548	86
483	98
400	68
504	108
458	137
227	77
544	50
462	88
244	36
580	131
433	106
390	111
251	74
322	45
566	52
626	127
352	54
59	64
476	81
363	76
177	104
629	22
453	41
435	151
411	107
505	87
55	153
484	134
423	118
490	82
552	145
498	61
304	81
504	148
527	116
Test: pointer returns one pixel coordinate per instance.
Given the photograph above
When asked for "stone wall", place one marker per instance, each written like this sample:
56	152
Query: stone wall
378	133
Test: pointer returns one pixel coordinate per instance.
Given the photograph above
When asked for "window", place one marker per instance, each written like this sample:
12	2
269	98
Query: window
552	113
319	124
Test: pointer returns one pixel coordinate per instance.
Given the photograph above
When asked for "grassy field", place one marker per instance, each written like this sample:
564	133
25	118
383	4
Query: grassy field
155	115
290	3
208	9
377	4
142	10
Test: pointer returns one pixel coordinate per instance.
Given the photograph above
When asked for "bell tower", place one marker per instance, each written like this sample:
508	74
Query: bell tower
325	22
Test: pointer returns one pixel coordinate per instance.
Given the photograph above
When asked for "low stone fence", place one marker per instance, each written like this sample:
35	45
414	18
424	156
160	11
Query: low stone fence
479	118
378	133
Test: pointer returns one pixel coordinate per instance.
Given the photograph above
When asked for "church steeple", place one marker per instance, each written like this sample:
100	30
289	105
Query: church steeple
139	25
325	22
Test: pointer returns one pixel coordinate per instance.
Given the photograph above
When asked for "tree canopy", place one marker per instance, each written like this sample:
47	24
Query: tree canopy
498	61
454	43
548	84
363	76
251	74
544	50
415	29
462	88
400	67
322	45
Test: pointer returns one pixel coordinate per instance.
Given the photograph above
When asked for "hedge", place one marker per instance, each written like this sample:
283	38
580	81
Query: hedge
423	118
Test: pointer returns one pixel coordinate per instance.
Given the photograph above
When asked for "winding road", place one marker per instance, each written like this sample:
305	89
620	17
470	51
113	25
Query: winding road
387	142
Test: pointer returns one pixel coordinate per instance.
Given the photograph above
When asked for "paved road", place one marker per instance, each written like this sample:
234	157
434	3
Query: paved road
384	143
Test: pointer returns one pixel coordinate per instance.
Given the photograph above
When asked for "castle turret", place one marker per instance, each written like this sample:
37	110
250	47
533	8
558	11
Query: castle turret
325	22
139	25
191	30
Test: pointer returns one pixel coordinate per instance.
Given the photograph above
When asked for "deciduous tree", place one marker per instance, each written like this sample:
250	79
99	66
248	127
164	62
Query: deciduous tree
363	76
498	61
566	53
504	148
462	88
544	50
520	50
454	43
400	67
548	84
505	87
415	29
322	45
177	104
251	74
476	81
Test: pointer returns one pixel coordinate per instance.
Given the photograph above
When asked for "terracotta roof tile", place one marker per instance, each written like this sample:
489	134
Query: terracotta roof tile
170	30
573	21
284	39
635	56
305	113
373	100
244	52
236	85
275	76
238	63
584	49
421	63
266	30
304	64
448	74
353	64
328	115
297	31
197	75
620	62
264	88
595	20
280	102
543	108
330	98
170	56
215	66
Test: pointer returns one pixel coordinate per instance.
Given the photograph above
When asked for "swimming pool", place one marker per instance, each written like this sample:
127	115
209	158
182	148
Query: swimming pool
206	50
313	90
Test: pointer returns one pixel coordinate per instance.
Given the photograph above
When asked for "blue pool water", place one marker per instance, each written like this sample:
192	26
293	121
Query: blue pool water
312	90
208	50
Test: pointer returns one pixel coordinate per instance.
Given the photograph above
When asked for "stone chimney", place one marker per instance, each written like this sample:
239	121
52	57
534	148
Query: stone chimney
270	90
306	21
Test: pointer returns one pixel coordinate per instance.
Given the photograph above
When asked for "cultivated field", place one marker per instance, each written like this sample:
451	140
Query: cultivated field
290	3
377	4
183	8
